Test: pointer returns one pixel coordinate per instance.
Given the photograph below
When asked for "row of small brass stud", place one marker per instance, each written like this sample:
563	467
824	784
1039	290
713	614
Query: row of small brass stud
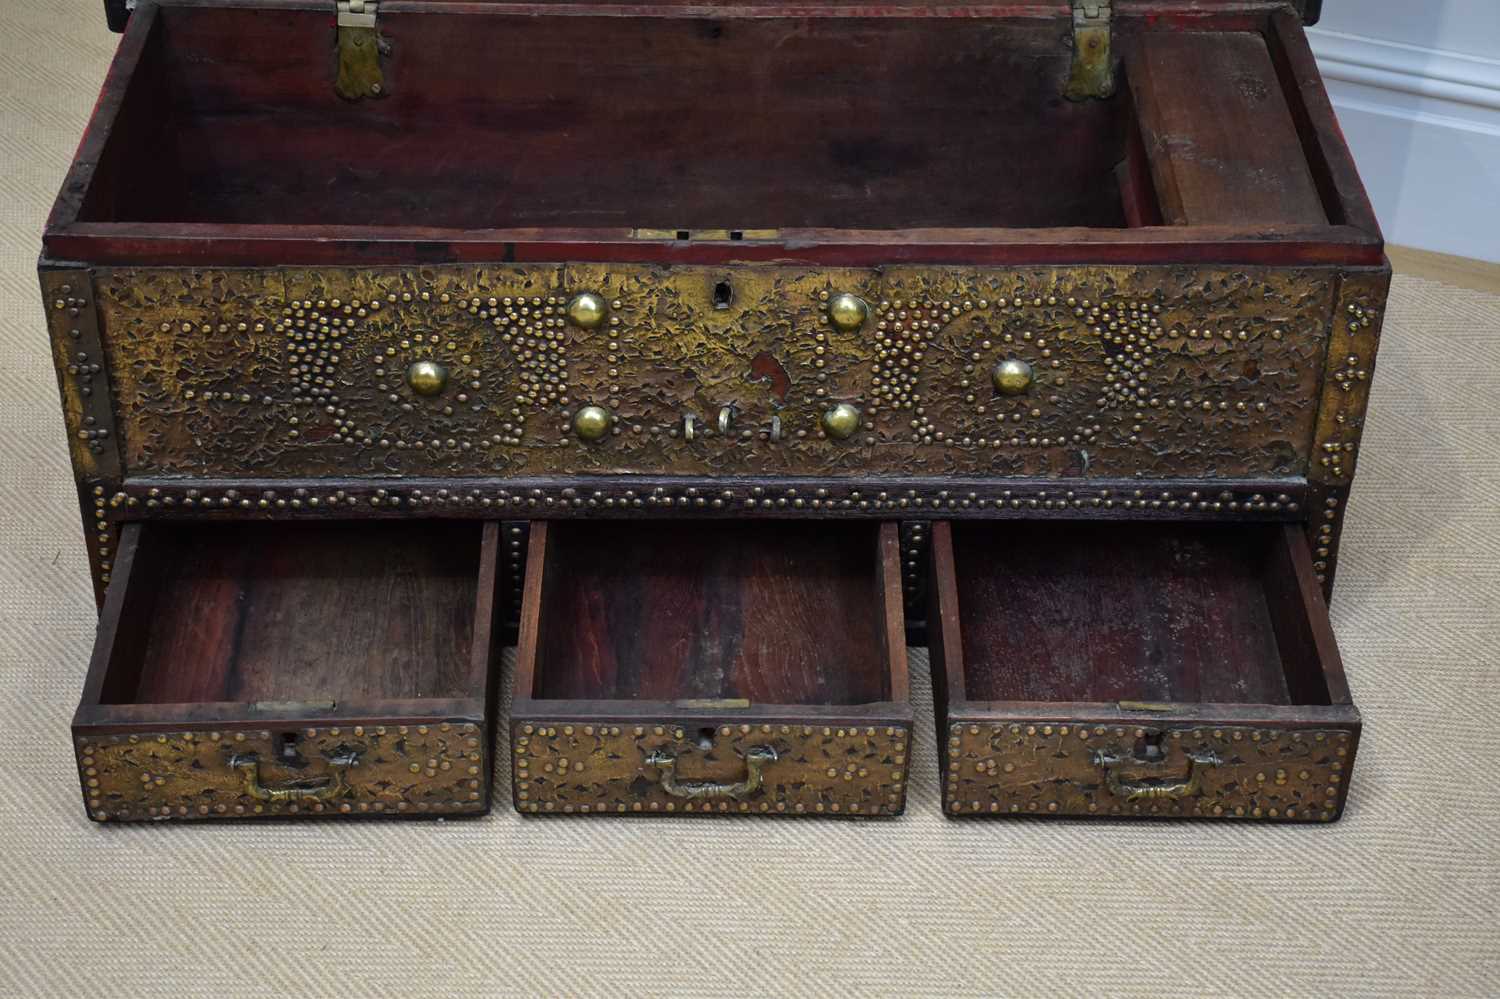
821	498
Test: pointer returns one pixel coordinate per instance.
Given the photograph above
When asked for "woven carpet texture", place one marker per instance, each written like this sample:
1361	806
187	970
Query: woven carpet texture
1402	897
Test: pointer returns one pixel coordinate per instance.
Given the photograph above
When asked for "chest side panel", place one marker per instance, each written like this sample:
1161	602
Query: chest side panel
454	371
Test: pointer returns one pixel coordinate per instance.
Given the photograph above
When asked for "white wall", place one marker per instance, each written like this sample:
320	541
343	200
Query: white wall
1417	87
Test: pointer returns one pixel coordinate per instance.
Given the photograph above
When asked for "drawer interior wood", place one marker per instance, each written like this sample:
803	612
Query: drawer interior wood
1132	612
1136	669
711	667
293	613
789	613
262	669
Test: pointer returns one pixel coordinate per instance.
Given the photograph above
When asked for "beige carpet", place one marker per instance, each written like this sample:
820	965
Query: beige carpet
1401	898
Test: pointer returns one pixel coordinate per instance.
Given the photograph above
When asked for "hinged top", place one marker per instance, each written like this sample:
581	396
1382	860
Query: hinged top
118	11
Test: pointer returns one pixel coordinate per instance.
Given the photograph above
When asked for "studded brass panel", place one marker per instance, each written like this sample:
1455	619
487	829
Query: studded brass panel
819	769
1357	320
431	769
482	371
82	376
1053	768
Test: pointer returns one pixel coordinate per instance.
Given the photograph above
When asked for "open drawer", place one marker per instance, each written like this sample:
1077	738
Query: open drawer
1136	670
292	669
711	667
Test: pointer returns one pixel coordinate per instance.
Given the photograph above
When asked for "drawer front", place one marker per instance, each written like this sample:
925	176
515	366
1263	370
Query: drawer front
1095	769
1092	373
386	769
659	767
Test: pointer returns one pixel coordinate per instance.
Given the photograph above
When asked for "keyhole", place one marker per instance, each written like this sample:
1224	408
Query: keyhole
723	295
705	739
1148	747
286	745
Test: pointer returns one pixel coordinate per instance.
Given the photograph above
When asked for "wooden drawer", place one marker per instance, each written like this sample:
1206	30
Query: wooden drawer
711	667
292	669
1136	670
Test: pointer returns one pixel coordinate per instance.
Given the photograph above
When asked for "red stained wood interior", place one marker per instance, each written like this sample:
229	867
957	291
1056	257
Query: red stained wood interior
496	120
863	135
1132	612
293	612
690	610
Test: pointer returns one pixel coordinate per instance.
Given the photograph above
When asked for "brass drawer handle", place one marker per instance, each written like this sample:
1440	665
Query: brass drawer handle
302	789
1154	788
756	758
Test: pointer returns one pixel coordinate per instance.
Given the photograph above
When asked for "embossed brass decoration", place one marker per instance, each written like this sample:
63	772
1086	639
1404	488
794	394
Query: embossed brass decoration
841	421
1012	376
847	312
1094	768
794	769
427	377
621	495
1357	319
587	311
88	409
433	768
756	760
83	381
1148	372
591	423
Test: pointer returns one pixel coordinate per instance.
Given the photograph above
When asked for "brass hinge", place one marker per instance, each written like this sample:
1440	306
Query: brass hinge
360	49
1093	73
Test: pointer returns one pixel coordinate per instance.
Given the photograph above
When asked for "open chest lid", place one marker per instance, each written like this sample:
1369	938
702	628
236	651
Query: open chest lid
118	11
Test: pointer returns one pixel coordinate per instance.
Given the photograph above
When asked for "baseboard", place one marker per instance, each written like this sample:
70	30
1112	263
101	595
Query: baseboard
1424	125
1458	271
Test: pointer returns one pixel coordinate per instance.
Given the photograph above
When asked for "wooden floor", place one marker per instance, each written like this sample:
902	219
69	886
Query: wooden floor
1460	271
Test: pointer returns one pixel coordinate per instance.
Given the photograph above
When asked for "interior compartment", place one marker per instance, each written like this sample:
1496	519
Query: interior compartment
1217	131
791	613
286	612
498	119
1134	612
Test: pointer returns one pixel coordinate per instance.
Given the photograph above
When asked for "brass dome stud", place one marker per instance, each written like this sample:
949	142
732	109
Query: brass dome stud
427	377
1012	376
591	423
847	312
841	421
586	310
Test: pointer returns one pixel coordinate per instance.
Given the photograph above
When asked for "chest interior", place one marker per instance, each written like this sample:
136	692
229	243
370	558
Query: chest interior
675	126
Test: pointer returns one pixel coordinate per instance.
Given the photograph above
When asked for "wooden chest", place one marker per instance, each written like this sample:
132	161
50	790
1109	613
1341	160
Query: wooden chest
688	343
